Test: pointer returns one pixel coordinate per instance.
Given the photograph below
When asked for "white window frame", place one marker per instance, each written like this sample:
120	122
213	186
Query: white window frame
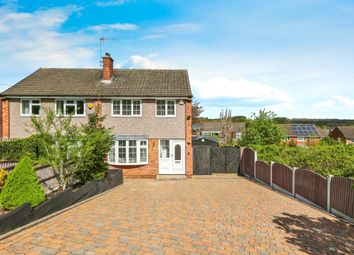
30	107
131	107
138	156
166	108
301	139
65	104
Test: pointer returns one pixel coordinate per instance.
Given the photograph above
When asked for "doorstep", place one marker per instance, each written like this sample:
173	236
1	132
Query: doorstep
165	177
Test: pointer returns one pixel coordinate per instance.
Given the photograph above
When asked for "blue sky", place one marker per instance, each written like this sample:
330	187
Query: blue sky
294	57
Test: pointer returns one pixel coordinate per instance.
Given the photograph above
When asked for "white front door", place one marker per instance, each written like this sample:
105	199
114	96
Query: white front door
171	157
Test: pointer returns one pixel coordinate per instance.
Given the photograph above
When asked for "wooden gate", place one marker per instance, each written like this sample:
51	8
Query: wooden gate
208	160
201	160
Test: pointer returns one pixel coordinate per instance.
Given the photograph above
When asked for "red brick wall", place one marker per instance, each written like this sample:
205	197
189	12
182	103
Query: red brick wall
5	119
189	149
144	171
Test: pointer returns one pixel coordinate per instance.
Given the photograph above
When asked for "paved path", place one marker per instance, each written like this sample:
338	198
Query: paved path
197	216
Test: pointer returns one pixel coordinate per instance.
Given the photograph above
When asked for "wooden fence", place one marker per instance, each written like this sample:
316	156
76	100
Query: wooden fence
282	177
334	194
312	187
342	196
263	172
249	161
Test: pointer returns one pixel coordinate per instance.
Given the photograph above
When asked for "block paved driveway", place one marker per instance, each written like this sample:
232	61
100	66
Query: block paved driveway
216	215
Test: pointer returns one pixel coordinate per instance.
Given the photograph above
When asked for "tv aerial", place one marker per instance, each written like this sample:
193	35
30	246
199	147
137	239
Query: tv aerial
102	40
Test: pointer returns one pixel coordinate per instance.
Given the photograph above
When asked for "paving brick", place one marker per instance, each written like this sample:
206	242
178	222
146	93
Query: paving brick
200	216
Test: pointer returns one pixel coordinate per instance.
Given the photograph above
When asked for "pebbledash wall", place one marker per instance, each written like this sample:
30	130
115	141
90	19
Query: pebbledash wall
180	128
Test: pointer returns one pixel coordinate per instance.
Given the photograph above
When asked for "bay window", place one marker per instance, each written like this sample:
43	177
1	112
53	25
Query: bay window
30	107
129	152
165	108
126	107
70	107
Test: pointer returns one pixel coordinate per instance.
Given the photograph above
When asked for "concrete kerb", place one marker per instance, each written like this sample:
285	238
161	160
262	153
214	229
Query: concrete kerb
17	230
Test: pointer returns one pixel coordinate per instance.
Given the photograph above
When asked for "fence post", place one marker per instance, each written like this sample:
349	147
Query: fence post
255	165
295	168
329	193
271	173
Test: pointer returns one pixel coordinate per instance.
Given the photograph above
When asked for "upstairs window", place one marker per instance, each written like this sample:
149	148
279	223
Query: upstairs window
165	108
30	107
70	107
126	107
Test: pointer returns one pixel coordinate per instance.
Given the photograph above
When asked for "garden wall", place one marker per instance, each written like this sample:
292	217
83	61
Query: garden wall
334	194
25	214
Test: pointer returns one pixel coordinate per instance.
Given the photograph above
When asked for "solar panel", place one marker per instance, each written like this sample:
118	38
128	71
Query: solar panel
305	130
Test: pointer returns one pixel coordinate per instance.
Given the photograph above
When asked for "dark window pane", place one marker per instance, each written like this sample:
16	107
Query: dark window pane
36	109
70	110
80	107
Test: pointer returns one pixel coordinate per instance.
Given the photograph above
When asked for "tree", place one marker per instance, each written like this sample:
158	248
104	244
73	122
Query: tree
76	153
59	141
96	142
226	125
22	186
262	129
197	110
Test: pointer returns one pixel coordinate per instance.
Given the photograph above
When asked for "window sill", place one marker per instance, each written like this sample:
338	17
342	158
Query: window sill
126	116
128	164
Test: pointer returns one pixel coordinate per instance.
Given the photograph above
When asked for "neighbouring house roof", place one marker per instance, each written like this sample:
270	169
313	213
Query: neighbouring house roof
206	137
88	82
324	132
216	126
348	132
302	130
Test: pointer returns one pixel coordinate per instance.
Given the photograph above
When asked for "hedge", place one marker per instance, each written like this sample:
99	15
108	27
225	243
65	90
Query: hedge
18	148
336	159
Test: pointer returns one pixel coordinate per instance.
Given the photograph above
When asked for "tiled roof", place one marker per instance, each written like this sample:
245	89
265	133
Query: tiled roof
88	82
216	126
348	132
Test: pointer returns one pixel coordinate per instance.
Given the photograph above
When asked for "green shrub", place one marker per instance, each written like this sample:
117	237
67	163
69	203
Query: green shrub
3	175
336	159
22	186
16	149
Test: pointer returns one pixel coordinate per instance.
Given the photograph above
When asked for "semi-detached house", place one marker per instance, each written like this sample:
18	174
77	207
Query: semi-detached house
149	111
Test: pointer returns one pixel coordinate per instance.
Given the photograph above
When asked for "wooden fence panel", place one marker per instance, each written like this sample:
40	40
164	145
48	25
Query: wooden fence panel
342	195
249	156
263	171
201	160
8	163
232	159
282	176
311	186
218	159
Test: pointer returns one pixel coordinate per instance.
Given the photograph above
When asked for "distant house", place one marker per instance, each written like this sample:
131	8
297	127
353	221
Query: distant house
303	134
214	129
205	140
344	134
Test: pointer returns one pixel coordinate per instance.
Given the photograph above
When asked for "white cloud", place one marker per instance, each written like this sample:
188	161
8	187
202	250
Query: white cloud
221	87
29	40
336	101
144	62
116	26
111	3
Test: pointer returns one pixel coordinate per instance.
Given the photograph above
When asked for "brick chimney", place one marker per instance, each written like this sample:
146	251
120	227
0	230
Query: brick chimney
107	70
